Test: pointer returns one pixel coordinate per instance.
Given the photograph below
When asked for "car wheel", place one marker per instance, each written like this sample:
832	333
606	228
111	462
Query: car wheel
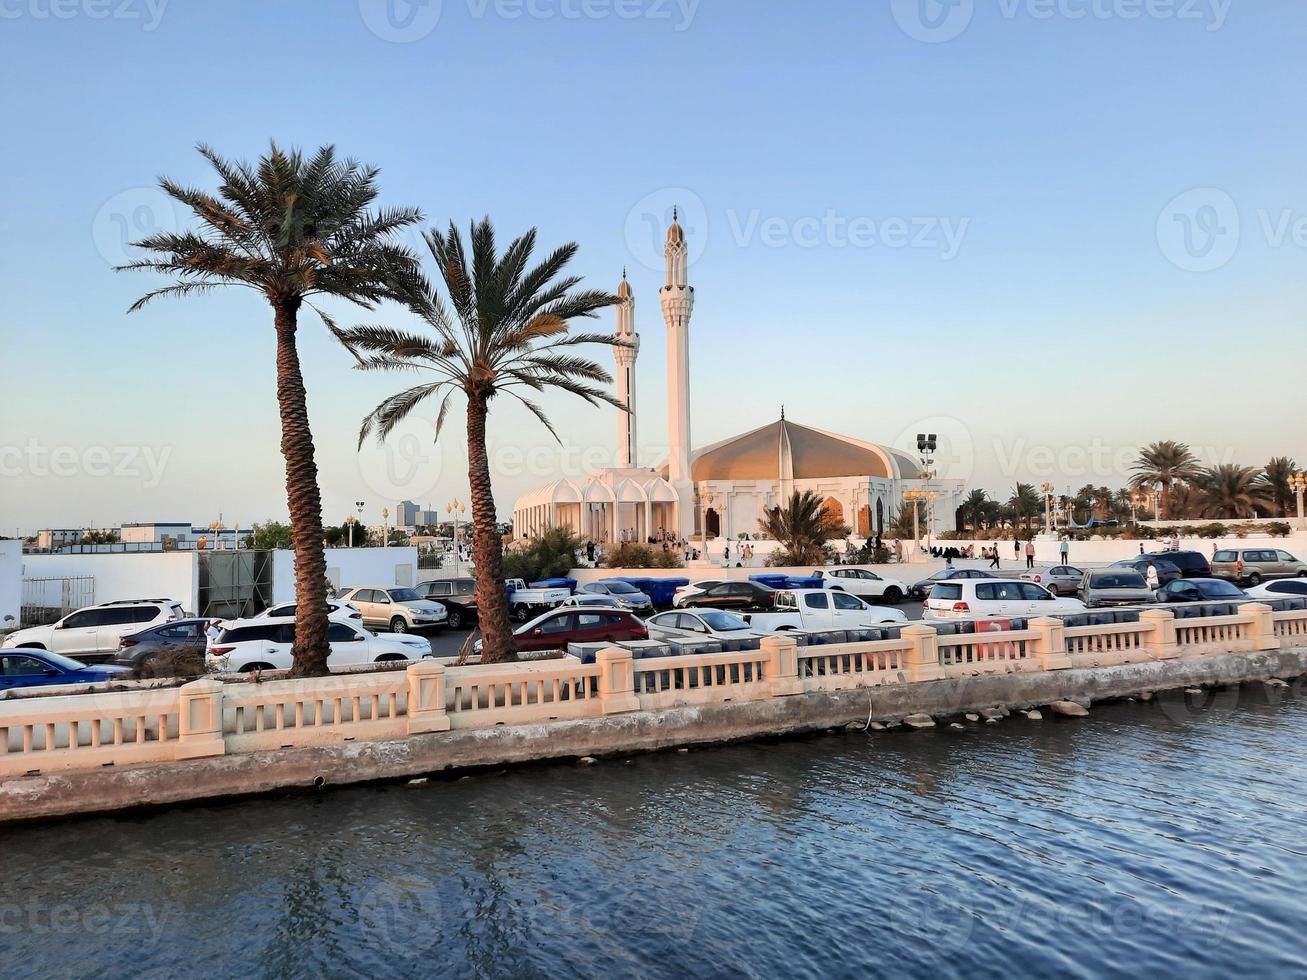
386	658
1254	579
1052	589
893	595
251	668
521	614
455	620
399	625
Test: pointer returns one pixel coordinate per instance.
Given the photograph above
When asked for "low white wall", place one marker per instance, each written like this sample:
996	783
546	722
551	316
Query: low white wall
11	580
349	566
1108	550
154	575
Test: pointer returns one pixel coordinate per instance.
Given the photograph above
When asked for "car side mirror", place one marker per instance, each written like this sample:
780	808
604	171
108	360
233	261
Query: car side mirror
537	632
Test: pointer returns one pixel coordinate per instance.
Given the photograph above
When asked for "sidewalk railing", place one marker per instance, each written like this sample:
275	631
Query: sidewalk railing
208	717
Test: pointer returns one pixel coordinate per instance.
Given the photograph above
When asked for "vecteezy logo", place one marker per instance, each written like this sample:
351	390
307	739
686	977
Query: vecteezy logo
130	216
648	220
400	21
402	915
1199	230
933	21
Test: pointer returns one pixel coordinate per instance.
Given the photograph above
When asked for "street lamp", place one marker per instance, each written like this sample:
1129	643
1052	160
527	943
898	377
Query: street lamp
385	534
1048	490
455	508
927	443
1298	483
350	521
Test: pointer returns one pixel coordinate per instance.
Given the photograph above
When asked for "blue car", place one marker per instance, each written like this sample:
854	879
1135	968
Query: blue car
39	668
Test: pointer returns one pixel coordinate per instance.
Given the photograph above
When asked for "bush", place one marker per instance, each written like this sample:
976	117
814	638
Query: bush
1279	529
1214	530
632	555
551	555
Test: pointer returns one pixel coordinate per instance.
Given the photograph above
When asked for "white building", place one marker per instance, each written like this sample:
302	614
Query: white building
728	486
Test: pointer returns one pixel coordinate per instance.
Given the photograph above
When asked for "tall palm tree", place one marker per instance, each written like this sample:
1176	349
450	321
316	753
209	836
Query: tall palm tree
802	527
291	228
1084	500
1163	464
973	508
508	330
1025	501
1279	471
1230	490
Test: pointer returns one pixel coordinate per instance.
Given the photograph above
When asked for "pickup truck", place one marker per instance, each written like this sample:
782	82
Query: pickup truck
523	603
821	609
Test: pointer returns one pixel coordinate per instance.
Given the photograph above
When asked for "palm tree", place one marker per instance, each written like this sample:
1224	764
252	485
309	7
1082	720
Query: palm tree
802	528
1279	471
1231	490
508	330
1163	464
973	508
1084	500
291	228
1025	501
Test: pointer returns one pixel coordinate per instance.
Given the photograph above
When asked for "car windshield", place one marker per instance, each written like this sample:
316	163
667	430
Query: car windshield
723	622
1120	581
621	588
403	595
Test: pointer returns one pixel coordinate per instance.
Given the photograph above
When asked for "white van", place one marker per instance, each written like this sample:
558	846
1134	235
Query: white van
995	597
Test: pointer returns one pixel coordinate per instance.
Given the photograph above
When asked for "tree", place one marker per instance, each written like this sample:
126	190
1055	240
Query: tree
508	330
271	536
1231	490
552	554
99	537
633	555
1025	502
973	508
1163	464
1279	471
802	528
291	228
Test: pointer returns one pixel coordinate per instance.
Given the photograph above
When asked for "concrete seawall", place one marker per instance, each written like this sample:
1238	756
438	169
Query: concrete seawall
62	794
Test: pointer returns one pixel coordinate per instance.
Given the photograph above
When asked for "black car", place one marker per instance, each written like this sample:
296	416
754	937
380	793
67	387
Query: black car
164	650
735	596
921	589
458	596
1200	590
1166	571
1192	564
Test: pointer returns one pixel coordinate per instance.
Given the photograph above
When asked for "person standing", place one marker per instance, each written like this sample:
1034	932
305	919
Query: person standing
1065	551
1030	553
212	630
993	557
1151	576
1016	548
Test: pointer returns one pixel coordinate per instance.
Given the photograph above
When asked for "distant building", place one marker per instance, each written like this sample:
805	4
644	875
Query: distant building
407	514
52	538
167	533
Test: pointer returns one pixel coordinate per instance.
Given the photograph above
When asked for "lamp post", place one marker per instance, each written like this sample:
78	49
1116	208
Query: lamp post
1047	490
385	534
1299	484
455	508
217	527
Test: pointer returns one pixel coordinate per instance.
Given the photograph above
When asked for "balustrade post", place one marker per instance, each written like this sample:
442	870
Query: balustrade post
616	681
781	669
923	653
199	719
1162	640
1262	631
426	698
1050	644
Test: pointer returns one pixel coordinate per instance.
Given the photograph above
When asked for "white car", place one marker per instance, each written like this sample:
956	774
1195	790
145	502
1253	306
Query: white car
591	601
814	610
995	597
685	594
336	610
1285	588
265	644
393	608
865	584
95	631
699	623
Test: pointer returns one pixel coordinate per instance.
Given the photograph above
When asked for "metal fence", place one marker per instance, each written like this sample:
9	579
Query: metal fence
46	600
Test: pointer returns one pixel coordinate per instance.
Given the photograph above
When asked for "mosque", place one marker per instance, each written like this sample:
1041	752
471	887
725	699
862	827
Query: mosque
728	486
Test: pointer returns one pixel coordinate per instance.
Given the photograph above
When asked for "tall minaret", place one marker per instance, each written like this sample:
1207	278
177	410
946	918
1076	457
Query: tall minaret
625	356
677	299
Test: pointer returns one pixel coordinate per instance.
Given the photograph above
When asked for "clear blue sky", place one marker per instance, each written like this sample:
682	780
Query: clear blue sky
1068	312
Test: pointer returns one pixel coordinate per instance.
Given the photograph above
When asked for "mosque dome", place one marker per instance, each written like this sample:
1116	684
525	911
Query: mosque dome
787	450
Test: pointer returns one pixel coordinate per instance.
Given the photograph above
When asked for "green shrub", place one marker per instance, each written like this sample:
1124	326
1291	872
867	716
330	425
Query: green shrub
551	555
632	555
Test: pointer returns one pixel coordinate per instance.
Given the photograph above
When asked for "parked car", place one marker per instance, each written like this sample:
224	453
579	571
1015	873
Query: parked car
997	598
866	585
685	594
622	594
1114	587
31	667
1285	588
1200	590
1192	564
265	644
1166	572
1059	580
699	623
822	609
582	600
523	603
180	644
557	628
920	590
336	609
458	596
398	610
1258	564
93	633
735	597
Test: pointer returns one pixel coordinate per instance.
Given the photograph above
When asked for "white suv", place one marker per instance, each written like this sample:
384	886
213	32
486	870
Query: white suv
392	608
997	597
94	632
866	585
265	644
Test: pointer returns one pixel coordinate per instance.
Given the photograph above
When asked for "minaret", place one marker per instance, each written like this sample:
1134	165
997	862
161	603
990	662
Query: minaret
677	298
625	356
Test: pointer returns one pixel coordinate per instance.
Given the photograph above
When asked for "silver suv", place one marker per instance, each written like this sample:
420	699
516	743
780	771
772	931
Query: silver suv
1258	564
93	633
398	610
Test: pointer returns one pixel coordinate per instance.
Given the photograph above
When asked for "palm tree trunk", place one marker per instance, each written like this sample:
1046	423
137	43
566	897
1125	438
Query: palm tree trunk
487	544
304	502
